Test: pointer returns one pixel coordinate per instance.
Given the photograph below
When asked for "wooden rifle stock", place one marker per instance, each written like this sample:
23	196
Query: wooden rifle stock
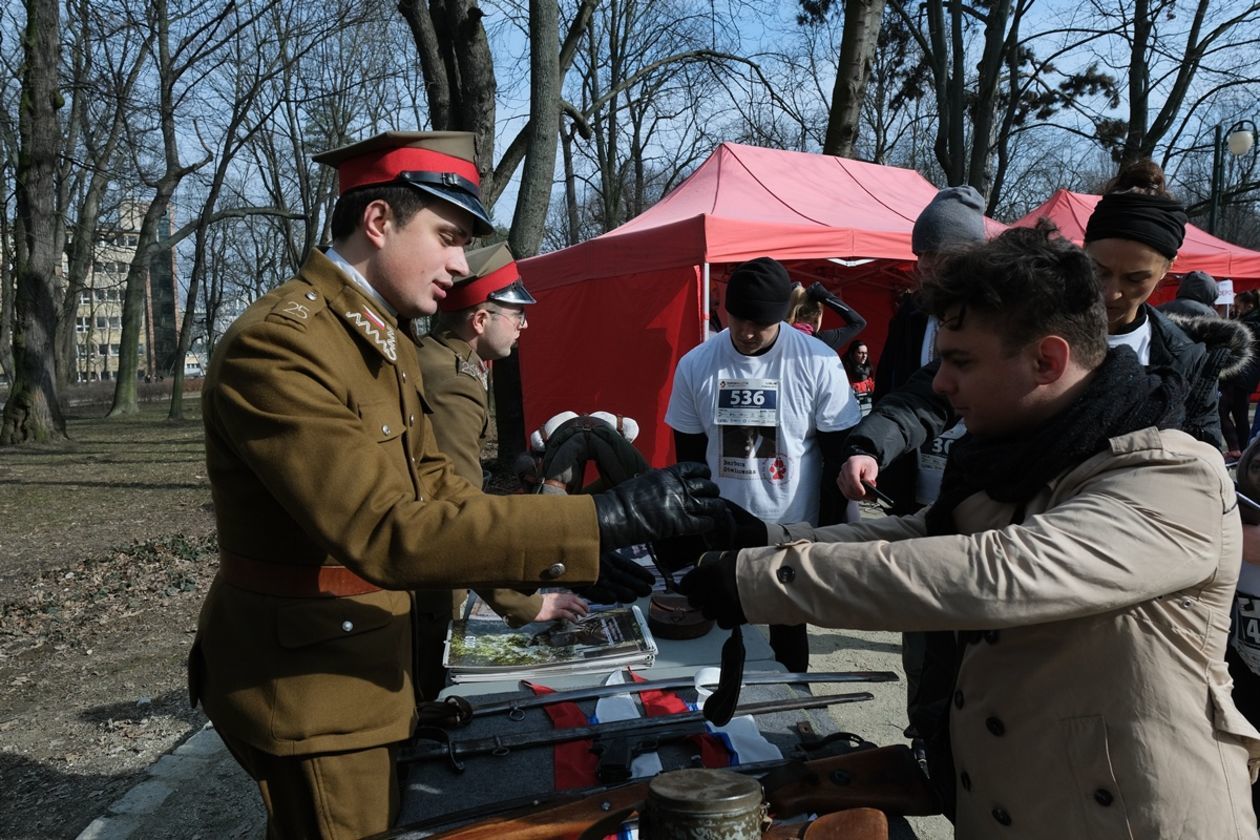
851	824
883	778
887	778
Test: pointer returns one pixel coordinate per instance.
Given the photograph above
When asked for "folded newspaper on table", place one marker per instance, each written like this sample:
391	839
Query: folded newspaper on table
485	651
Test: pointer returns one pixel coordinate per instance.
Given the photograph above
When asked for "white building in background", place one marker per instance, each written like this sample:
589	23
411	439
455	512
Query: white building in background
98	325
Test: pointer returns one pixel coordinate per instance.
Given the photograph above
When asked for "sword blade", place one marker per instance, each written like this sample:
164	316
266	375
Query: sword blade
516	707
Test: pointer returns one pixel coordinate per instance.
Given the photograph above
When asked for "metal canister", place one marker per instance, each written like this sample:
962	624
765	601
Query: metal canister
703	805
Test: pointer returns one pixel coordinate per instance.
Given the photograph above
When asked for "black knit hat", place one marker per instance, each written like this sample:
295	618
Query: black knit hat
759	291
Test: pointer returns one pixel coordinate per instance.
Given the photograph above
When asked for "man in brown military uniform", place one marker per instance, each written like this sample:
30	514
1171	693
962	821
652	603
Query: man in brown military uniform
478	322
332	500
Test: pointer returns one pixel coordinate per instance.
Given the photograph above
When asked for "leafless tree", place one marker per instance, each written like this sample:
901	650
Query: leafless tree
187	41
32	412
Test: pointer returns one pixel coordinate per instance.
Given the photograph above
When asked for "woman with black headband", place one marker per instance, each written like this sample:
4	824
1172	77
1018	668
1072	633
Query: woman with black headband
1133	237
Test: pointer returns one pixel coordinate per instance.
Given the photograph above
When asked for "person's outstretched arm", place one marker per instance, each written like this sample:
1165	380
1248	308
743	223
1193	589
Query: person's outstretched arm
853	322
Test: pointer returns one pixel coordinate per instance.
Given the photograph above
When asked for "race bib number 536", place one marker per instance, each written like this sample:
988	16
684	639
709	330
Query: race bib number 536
747	402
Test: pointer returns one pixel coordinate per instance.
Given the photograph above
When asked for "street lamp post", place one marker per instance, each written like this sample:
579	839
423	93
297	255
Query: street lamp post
1239	139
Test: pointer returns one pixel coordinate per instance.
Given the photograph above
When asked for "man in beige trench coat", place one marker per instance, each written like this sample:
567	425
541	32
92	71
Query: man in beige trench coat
332	500
1085	552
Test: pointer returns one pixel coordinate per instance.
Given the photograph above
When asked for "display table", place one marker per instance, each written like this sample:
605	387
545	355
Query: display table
432	787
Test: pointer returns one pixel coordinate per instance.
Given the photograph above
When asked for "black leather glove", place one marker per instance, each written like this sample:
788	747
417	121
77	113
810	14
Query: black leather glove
662	503
711	588
621	581
737	529
817	292
679	552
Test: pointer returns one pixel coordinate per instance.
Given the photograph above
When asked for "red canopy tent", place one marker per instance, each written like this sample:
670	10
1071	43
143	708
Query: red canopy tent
1201	251
616	313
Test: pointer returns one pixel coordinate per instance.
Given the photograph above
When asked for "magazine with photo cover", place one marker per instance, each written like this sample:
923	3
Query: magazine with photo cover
482	651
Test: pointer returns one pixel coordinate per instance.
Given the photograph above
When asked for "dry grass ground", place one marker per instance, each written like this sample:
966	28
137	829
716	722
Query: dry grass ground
106	546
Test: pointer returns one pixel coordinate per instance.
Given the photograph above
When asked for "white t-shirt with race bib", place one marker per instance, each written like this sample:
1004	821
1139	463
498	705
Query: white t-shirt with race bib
761	414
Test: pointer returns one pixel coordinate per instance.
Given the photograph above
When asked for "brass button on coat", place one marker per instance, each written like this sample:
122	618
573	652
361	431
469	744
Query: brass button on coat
312	296
385	429
347	626
553	571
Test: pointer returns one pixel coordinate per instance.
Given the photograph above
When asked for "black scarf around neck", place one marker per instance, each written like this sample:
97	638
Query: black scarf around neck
1121	397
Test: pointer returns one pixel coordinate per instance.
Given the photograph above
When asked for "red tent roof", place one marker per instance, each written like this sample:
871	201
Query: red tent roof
1201	251
747	201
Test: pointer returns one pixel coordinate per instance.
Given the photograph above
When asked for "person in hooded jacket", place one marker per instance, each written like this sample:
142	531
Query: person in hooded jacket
1236	389
1196	296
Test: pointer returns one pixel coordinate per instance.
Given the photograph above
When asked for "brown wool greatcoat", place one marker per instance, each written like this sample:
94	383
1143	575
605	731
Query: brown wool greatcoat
320	452
1095	702
456	388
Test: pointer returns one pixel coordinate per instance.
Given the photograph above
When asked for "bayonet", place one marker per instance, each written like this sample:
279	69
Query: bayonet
435	742
516	706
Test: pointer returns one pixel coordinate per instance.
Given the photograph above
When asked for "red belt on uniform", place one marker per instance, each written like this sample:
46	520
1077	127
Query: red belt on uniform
290	581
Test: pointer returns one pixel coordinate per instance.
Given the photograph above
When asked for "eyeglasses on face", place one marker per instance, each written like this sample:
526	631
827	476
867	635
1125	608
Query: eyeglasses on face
517	316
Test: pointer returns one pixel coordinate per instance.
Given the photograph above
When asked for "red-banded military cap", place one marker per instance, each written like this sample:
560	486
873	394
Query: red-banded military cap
493	276
440	163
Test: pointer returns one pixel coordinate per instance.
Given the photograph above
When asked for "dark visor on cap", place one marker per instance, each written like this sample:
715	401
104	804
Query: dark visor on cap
515	293
457	190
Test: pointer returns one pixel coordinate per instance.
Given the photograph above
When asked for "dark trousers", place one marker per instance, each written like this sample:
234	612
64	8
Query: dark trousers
1247	699
790	644
1234	407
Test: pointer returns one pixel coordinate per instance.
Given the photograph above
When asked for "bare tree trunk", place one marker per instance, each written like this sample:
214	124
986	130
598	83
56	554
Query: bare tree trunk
100	144
984	112
437	85
169	73
862	20
8	290
570	187
531	205
540	152
1139	81
32	412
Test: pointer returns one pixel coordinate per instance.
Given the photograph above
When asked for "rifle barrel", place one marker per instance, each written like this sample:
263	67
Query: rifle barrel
515	707
456	749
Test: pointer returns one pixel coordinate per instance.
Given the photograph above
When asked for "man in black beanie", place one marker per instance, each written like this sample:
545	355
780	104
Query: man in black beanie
763	405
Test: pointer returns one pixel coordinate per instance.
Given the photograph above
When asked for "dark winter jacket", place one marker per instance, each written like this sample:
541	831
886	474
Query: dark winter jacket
1203	350
1195	296
903	350
1247	376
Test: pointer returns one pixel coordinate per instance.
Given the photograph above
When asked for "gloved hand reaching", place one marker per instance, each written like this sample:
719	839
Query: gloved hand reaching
817	292
737	529
662	503
711	588
620	581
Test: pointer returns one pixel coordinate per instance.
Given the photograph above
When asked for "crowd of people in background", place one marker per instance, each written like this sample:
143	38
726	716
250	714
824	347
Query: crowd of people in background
1031	400
1064	552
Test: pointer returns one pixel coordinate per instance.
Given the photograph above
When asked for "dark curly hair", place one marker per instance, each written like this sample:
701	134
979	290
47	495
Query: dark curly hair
1030	283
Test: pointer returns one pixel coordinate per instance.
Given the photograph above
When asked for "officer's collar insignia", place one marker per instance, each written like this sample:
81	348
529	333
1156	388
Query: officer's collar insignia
373	326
